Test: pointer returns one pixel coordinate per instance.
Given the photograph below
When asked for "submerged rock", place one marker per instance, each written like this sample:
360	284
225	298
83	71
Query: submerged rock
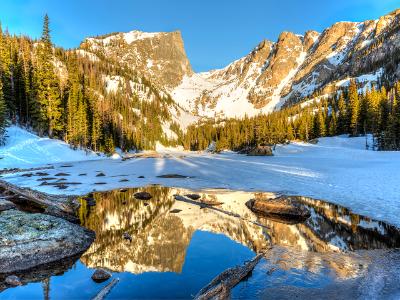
284	207
29	240
143	196
6	205
100	275
13	280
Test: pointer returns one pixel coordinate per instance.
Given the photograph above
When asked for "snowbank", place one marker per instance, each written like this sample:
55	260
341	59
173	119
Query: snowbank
337	169
24	150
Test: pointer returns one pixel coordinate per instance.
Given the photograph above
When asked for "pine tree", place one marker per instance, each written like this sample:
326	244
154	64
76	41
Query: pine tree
342	113
48	90
354	109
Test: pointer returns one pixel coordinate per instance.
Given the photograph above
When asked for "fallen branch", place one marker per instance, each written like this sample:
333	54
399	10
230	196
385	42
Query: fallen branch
220	286
56	205
106	290
212	206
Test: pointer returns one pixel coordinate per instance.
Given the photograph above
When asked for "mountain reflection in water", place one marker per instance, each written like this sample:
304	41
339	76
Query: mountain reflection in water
179	246
162	228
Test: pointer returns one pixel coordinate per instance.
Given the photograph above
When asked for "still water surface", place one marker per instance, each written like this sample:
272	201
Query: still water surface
178	247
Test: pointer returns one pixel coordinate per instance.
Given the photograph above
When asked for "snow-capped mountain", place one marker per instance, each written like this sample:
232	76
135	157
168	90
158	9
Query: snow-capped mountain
274	74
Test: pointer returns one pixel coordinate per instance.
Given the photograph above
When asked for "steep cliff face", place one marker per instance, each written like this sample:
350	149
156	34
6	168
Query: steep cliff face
160	56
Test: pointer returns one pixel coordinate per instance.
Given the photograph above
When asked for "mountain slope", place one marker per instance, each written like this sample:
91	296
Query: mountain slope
295	67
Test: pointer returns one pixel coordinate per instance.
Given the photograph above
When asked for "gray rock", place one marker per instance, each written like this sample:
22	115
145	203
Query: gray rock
29	240
13	280
100	275
6	205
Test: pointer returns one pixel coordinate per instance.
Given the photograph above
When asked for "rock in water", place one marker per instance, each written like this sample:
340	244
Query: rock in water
6	205
193	196
284	207
127	236
100	275
13	280
143	196
29	240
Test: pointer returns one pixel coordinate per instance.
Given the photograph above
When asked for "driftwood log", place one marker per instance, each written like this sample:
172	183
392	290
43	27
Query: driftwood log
220	286
55	205
106	290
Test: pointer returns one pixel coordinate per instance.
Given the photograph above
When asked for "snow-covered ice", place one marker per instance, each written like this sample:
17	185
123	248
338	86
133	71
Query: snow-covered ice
25	150
337	169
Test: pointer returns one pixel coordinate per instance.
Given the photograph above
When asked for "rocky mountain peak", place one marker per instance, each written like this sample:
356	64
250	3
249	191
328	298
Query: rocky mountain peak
159	56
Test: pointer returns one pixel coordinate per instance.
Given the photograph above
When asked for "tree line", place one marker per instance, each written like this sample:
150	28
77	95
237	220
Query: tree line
60	94
352	111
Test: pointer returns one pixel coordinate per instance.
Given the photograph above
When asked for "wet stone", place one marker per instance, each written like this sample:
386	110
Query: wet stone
193	196
141	176
101	174
100	275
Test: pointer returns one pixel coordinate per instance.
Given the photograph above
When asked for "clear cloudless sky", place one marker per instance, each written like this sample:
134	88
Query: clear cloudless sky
215	32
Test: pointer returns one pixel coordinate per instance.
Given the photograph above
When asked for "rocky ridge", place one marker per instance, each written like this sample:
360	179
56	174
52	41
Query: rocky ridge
272	75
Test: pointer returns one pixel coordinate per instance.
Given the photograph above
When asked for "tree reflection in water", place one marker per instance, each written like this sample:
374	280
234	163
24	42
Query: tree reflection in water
161	230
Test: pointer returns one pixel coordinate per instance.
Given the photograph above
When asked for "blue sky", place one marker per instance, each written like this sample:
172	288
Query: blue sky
215	32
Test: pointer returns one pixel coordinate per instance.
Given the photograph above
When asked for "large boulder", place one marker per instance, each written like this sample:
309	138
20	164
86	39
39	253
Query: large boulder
283	207
260	150
29	240
6	205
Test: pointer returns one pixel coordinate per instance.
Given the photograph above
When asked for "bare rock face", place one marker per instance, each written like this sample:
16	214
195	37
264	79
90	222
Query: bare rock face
160	57
295	67
29	240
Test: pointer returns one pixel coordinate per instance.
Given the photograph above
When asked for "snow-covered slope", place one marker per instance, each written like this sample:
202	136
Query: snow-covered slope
293	68
272	75
337	169
24	150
